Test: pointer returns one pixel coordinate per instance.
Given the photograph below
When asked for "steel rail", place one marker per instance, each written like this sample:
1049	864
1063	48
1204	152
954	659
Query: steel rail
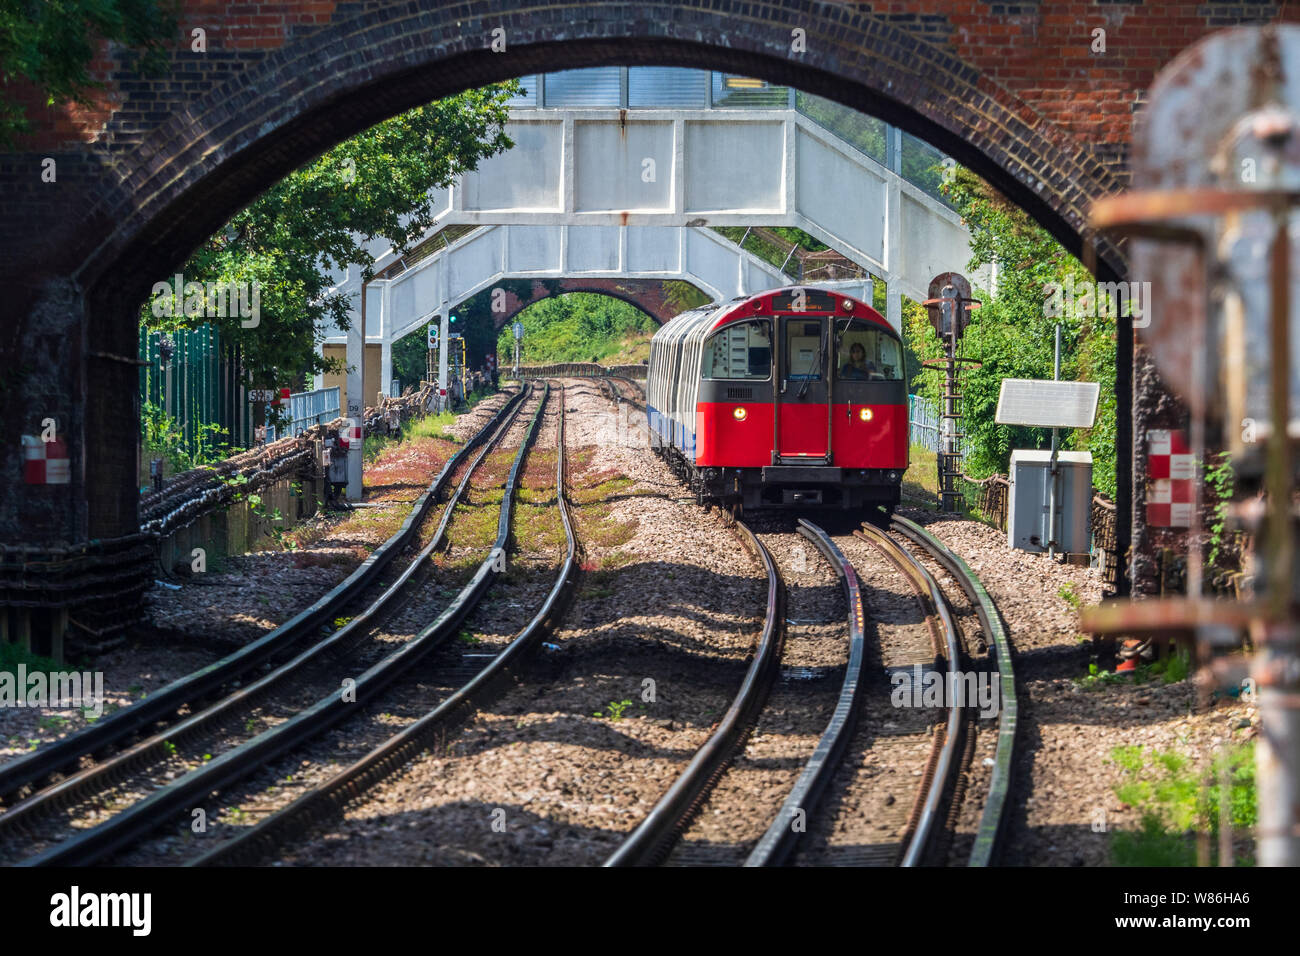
943	757
775	846
164	704
92	845
325	802
652	841
988	836
105	773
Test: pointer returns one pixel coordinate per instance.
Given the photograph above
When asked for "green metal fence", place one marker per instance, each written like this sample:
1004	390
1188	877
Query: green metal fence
198	386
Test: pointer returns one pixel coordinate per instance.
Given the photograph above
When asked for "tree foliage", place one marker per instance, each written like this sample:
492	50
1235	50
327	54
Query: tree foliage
51	43
321	218
577	327
1011	334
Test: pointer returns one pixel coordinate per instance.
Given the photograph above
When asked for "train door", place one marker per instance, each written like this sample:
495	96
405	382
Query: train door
803	412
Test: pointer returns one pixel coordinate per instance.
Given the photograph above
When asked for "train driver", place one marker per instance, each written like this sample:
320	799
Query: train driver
857	368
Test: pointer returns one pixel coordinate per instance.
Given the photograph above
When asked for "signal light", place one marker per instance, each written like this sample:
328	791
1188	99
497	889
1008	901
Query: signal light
739	414
865	414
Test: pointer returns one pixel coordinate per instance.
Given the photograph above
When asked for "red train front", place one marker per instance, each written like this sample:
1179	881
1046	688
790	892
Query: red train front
791	397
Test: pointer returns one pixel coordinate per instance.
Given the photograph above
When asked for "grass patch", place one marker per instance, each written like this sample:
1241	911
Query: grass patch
473	527
921	480
1175	802
539	526
597	526
11	655
1171	670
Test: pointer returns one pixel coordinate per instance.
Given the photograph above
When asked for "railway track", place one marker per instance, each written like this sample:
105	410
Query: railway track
867	744
842	809
326	802
296	724
18	778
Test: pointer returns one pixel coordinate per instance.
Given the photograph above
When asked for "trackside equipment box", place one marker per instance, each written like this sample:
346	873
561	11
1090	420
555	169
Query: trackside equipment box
1027	504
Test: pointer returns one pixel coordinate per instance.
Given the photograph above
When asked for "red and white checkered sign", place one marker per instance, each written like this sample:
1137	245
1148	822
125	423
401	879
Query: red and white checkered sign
350	434
46	463
1172	473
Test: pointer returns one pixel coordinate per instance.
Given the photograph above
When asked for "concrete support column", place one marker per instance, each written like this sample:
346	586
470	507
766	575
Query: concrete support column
355	402
386	343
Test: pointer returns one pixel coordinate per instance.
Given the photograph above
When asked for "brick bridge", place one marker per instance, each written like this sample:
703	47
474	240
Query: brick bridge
649	295
1013	90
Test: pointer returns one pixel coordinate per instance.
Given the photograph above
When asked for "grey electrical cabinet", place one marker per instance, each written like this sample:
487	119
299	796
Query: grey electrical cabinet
1027	504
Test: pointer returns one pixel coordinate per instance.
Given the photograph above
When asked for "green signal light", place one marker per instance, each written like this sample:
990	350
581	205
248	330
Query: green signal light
452	319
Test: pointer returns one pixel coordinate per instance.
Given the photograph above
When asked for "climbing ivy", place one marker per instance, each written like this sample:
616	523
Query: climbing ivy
1011	336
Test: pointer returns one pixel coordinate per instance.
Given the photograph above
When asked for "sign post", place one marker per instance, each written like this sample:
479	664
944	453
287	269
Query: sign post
518	329
444	372
950	305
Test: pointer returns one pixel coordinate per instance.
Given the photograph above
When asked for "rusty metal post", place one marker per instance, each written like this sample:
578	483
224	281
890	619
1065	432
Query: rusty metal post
1277	664
1231	202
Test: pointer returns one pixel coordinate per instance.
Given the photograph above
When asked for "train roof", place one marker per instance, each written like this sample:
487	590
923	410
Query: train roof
816	302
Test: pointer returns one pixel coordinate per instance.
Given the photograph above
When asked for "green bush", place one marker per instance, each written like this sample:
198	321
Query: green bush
1173	799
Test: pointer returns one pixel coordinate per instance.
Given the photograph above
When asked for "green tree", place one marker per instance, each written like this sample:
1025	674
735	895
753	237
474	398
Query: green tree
1011	334
322	216
577	327
50	44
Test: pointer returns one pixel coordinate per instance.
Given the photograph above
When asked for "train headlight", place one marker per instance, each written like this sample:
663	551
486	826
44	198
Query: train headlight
865	414
739	413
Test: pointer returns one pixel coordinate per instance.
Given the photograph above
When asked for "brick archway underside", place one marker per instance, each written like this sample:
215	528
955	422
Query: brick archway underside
648	295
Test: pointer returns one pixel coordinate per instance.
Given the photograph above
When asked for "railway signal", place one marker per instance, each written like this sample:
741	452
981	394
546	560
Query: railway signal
950	307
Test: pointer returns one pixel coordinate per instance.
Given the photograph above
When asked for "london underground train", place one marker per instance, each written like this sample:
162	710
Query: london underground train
789	398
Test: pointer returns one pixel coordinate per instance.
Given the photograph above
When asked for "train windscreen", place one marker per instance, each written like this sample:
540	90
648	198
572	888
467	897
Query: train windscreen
868	355
804	350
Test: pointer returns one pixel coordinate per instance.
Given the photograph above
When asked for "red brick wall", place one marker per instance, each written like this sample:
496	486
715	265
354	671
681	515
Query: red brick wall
1040	51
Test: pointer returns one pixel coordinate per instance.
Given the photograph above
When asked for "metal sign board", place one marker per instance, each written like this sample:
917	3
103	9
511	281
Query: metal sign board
1043	403
519	330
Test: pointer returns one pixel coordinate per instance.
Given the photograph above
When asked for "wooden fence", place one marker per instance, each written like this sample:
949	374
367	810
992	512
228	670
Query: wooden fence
991	497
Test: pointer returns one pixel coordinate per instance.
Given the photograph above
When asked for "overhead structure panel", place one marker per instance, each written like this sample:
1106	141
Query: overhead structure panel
623	166
426	287
402	300
534	248
844	197
524	178
734	167
653	249
474	259
593	248
931	242
712	262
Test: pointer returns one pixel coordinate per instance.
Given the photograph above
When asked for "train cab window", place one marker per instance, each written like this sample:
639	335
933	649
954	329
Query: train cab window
868	355
743	350
803	349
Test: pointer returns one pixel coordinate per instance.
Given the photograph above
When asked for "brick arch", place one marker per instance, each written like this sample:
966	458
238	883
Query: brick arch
134	204
648	295
159	200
